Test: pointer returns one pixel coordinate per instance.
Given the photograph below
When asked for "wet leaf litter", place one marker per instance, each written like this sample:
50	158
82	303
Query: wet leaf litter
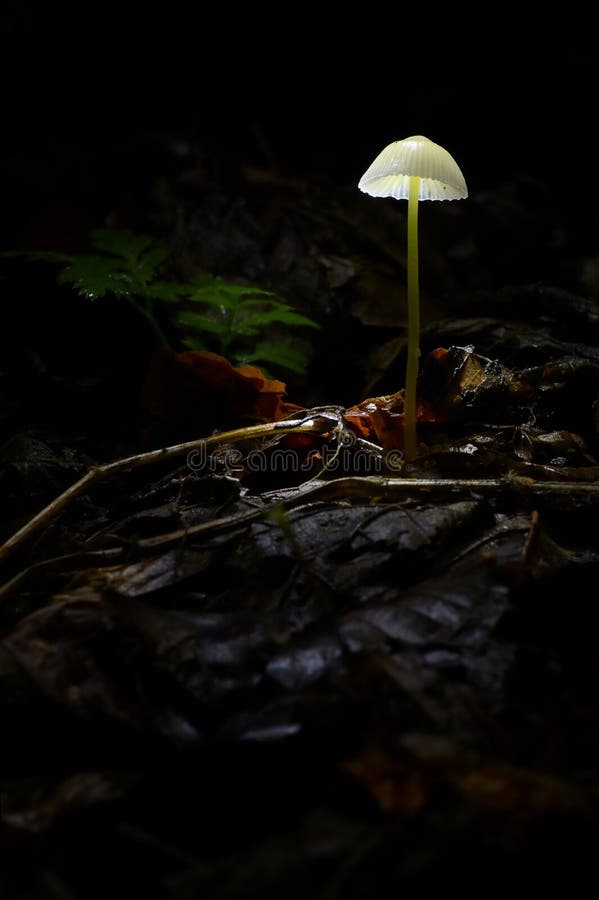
337	668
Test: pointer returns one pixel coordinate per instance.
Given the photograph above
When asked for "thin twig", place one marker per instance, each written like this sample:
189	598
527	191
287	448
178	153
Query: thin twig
371	489
65	563
380	489
318	423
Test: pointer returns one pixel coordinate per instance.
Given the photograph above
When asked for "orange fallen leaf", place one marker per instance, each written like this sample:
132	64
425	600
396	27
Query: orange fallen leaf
395	787
194	392
400	785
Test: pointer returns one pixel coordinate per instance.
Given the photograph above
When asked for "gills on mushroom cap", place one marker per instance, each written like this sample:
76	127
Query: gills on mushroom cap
389	175
413	169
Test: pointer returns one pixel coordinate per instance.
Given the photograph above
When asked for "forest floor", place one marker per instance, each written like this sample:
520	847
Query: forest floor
300	667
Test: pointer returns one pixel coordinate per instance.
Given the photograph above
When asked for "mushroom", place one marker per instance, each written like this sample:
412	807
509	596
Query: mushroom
413	169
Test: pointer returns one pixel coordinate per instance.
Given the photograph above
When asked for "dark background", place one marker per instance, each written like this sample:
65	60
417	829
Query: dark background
102	104
86	93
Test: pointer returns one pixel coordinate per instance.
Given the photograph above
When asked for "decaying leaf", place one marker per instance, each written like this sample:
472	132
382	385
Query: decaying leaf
399	787
34	804
191	393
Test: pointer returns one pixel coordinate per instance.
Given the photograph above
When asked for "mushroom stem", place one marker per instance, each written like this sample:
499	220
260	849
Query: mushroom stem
413	322
399	171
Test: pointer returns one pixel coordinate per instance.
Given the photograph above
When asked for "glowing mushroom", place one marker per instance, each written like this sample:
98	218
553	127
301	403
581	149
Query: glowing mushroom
413	169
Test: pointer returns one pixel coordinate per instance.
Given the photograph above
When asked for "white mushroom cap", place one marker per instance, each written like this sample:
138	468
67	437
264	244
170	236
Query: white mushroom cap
389	175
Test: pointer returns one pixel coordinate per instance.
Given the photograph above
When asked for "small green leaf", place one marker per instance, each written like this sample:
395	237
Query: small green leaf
194	343
252	323
256	301
290	317
278	354
127	267
94	277
144	268
152	258
214	292
169	291
208	281
217	299
201	323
